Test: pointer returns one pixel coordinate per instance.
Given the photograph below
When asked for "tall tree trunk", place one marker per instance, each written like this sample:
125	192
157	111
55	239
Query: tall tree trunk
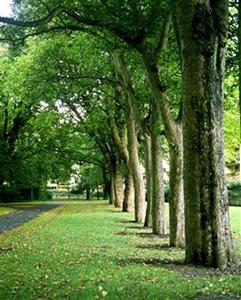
134	163
176	199
139	185
203	27
171	130
129	194
148	162
118	186
31	193
106	190
98	192
158	199
112	190
1	192
88	194
91	194
107	184
110	159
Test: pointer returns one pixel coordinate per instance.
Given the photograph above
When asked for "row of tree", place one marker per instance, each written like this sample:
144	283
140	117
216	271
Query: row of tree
130	82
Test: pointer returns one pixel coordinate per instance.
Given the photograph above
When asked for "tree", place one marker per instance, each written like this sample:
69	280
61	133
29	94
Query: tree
37	142
156	181
203	30
143	29
90	180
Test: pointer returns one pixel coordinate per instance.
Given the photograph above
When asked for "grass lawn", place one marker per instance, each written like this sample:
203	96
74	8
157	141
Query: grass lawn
88	250
6	210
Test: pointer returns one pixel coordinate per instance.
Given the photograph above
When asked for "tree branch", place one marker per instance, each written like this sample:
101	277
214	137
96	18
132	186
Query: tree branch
55	29
75	16
163	36
55	12
127	85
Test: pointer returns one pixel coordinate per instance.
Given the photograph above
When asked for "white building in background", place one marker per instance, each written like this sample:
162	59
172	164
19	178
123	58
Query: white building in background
58	188
166	171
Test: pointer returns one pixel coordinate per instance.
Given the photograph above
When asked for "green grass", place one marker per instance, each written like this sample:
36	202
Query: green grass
235	216
6	210
88	250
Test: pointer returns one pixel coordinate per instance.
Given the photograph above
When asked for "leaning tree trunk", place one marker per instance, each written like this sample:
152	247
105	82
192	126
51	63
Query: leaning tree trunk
148	219
129	194
176	198
203	26
169	122
139	185
131	116
158	200
118	186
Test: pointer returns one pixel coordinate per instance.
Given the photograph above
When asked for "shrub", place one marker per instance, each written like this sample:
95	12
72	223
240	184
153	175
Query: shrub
234	193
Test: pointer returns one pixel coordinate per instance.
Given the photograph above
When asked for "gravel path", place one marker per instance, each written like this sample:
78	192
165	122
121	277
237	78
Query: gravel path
23	215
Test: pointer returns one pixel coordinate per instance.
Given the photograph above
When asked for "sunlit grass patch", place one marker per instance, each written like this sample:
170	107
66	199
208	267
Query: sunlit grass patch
89	250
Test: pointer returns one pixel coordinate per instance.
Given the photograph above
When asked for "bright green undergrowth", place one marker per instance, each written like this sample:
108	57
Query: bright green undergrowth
88	250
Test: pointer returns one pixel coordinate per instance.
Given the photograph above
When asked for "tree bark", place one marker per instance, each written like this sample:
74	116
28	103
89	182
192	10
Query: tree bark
110	158
107	185
171	130
106	191
148	161
129	194
97	193
176	198
158	199
203	28
134	163
112	190
139	185
118	186
1	191
88	194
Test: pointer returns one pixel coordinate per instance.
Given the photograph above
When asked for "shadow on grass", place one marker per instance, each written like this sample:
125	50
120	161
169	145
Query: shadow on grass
150	235
3	249
145	235
165	246
152	262
180	266
119	212
176	265
135	227
125	222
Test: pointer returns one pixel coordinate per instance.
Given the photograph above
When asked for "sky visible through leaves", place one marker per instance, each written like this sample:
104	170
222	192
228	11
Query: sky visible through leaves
5	8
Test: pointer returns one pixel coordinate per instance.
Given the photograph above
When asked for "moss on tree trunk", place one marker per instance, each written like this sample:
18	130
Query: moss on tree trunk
148	159
158	200
203	26
129	194
176	203
118	186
